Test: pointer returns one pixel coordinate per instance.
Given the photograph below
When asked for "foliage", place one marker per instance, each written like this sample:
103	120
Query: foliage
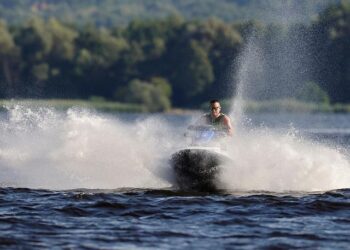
333	51
287	105
111	12
311	92
153	95
172	61
8	56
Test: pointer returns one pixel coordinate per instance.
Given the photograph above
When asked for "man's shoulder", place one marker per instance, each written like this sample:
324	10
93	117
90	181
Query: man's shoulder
225	117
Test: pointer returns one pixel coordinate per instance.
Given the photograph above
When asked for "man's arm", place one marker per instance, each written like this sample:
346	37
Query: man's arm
227	123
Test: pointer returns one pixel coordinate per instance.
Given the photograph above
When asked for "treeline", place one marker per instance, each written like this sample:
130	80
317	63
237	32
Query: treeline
120	12
159	63
156	63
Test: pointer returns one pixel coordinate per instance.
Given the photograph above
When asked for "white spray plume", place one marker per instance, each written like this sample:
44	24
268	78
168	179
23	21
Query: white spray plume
266	160
42	148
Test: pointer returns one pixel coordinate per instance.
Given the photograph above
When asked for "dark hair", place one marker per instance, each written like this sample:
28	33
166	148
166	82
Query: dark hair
214	101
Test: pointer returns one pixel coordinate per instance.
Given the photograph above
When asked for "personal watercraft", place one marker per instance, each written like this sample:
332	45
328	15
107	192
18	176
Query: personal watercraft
197	166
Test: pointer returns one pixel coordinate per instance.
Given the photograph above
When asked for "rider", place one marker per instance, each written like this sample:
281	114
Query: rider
216	118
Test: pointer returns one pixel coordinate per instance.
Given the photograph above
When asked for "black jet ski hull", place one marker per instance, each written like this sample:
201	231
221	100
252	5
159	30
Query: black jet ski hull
197	169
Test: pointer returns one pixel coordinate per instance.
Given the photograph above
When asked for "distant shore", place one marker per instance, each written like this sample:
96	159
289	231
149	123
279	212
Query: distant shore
290	106
63	104
273	106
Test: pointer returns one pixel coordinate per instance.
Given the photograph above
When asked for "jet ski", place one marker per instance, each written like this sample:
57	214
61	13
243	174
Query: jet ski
197	166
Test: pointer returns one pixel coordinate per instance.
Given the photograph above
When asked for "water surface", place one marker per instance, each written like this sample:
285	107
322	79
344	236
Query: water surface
83	198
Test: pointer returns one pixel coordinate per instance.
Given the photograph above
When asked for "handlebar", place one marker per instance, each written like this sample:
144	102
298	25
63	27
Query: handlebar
205	128
201	128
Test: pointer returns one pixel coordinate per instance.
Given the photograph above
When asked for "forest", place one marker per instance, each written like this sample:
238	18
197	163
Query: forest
120	12
170	61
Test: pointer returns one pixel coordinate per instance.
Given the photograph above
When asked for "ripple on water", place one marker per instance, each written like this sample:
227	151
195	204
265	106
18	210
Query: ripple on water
172	219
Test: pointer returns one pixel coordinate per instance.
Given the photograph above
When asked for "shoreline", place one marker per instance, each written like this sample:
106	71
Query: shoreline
273	106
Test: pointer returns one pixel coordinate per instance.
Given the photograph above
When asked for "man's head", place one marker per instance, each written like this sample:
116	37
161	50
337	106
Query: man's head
215	108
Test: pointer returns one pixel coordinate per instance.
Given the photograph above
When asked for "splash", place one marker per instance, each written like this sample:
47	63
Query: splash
274	64
250	69
43	148
266	160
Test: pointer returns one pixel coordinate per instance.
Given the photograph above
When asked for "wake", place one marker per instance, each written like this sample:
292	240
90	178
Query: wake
44	148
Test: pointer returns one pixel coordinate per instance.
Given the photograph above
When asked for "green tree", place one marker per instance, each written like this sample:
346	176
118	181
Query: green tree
63	40
104	48
148	41
312	92
152	95
222	42
98	52
163	85
192	72
35	41
8	56
333	50
41	71
35	44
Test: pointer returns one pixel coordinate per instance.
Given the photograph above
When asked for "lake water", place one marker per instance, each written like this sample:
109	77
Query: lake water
84	180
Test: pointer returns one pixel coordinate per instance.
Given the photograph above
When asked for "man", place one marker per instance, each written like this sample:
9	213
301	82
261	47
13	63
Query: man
216	118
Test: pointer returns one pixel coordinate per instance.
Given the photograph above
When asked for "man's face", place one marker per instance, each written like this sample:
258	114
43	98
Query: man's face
215	109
